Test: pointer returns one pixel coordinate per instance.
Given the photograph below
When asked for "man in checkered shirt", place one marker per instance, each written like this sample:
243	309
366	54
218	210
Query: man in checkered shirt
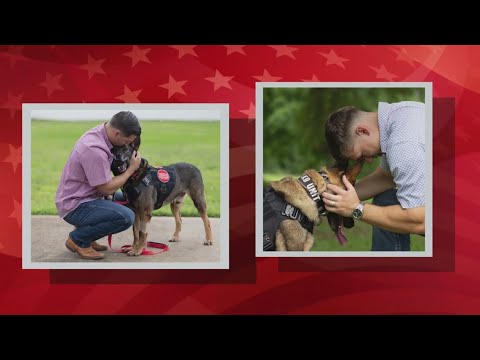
396	133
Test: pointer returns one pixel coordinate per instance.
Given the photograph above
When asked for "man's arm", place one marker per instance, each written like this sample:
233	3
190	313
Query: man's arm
394	218
116	183
374	183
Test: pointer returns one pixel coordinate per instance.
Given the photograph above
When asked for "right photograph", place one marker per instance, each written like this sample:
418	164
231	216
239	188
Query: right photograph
344	169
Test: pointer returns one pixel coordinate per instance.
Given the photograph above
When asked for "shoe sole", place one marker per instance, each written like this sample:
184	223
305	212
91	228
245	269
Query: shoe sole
90	258
70	248
83	257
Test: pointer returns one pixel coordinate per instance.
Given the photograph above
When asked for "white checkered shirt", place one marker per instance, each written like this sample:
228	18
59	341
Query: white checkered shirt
402	139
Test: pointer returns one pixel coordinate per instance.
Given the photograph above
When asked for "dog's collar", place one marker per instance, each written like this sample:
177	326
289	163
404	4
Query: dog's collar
144	165
312	190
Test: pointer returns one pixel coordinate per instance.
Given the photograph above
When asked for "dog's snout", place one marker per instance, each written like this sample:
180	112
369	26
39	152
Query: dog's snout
121	159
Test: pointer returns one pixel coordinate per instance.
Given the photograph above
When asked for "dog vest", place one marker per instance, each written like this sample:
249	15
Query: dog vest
275	210
163	178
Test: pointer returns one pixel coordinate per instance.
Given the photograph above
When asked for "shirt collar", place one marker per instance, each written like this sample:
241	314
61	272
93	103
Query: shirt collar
383	113
103	131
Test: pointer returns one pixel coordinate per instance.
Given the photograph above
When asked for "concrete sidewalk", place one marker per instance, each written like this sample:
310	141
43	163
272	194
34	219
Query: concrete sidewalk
50	232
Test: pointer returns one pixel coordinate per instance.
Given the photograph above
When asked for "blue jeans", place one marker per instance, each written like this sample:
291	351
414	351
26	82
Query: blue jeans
383	240
96	219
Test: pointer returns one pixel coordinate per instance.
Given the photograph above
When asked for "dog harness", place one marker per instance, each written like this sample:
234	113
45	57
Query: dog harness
276	210
163	178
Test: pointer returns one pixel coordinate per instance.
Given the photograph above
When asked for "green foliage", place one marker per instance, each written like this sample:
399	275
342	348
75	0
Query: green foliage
163	143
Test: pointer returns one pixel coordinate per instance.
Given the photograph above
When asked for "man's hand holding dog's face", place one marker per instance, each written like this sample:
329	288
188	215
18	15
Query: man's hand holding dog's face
135	162
343	202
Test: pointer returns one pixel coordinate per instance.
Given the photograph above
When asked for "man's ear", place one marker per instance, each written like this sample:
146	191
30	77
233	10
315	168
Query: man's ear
136	143
362	130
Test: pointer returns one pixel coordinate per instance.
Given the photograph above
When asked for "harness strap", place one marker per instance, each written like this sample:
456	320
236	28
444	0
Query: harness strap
313	192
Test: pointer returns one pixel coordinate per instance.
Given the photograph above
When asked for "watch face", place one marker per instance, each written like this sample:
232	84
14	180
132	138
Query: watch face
357	213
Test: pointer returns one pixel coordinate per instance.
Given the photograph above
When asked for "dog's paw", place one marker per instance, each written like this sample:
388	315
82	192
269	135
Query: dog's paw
207	242
134	253
174	238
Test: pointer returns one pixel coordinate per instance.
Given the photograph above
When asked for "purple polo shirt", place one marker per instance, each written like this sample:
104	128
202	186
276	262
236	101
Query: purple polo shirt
87	167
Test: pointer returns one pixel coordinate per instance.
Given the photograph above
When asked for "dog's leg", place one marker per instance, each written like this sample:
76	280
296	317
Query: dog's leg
280	243
143	209
175	206
136	229
198	198
208	229
139	245
308	243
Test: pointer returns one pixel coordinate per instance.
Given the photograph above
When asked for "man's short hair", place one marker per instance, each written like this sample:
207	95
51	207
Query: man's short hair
337	131
127	123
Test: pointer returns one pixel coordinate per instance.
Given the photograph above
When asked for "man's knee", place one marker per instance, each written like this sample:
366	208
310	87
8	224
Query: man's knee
383	240
125	217
131	217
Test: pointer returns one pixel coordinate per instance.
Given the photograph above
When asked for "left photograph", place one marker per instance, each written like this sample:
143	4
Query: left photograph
125	186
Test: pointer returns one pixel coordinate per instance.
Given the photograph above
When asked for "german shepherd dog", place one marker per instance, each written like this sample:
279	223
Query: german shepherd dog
149	188
293	207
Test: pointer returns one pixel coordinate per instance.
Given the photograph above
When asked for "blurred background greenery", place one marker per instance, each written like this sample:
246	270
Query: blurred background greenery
294	140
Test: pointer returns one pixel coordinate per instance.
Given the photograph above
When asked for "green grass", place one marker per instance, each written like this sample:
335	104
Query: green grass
359	237
163	143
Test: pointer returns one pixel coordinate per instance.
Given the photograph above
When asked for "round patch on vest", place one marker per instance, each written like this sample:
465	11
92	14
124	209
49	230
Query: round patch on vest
163	176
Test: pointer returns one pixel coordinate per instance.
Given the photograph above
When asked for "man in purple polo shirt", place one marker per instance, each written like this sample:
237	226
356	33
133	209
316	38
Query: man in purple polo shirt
87	178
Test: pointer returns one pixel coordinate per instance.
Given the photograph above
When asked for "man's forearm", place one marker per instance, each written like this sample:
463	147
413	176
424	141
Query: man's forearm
115	184
394	218
373	184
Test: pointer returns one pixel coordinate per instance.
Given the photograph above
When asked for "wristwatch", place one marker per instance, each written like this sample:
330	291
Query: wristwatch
357	213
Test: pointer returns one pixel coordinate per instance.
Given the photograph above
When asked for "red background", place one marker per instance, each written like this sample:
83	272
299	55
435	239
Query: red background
448	284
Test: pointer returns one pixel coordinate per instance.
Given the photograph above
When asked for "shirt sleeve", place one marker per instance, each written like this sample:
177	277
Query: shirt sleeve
96	166
406	161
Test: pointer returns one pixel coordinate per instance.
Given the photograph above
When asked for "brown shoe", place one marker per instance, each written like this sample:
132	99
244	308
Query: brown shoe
85	253
98	247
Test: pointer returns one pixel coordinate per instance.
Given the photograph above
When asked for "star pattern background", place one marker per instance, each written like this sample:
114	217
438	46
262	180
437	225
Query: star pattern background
227	74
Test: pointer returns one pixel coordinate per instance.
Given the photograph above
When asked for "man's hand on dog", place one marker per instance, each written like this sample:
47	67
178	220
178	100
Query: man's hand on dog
343	202
135	162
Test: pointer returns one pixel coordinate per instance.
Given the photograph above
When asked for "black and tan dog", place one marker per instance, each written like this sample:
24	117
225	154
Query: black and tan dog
293	207
150	188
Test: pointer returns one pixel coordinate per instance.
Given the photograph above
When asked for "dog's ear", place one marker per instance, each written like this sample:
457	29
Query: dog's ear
339	167
353	172
136	143
335	171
